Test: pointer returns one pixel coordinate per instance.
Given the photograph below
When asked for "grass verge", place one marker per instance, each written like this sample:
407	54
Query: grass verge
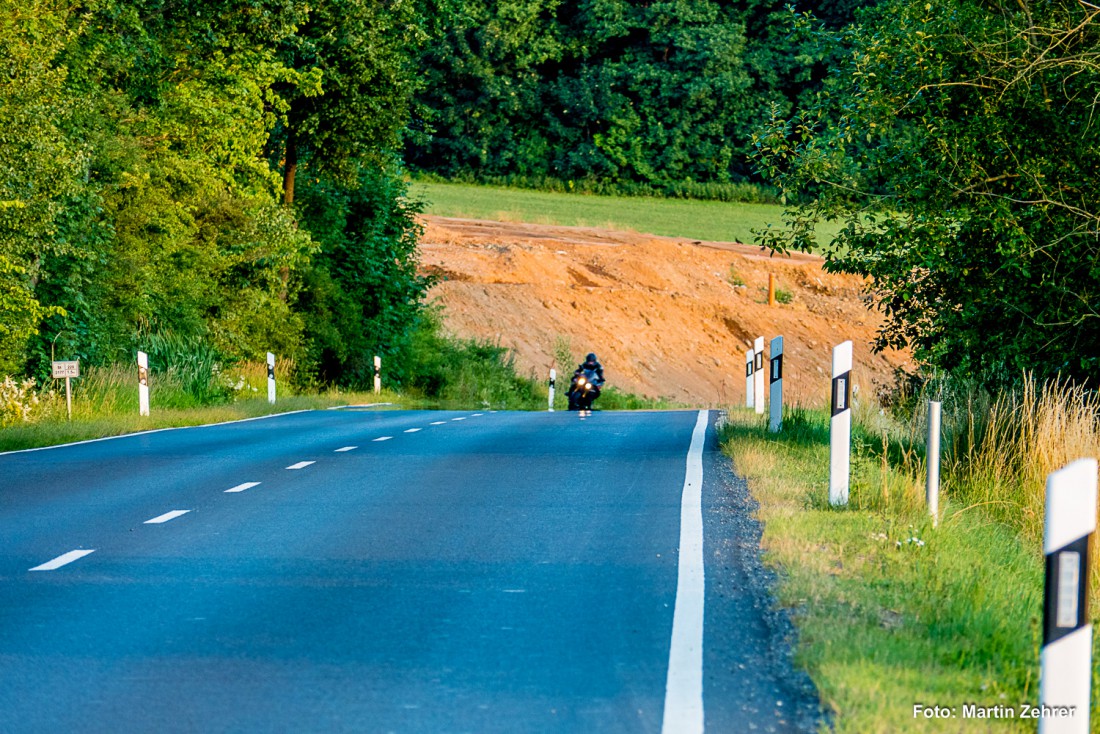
702	220
892	612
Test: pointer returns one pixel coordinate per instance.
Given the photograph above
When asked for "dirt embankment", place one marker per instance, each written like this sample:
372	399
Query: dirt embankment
667	317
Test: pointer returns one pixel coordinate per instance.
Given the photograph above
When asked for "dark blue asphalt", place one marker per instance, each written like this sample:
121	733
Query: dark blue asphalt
510	572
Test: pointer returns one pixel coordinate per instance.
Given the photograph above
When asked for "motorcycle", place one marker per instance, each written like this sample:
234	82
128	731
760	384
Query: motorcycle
583	390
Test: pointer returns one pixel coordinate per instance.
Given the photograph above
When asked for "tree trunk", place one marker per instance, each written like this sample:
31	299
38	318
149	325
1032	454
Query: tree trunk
290	168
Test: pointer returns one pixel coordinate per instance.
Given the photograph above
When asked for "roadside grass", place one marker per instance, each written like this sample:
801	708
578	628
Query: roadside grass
702	220
892	612
92	422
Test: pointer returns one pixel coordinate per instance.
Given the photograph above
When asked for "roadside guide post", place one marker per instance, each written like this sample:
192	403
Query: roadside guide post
758	375
1065	675
143	383
67	369
932	489
840	428
749	390
377	374
271	378
775	377
553	378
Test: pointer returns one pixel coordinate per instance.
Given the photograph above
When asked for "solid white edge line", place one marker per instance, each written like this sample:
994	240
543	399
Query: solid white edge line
684	687
159	519
243	487
344	449
155	430
301	465
62	560
358	405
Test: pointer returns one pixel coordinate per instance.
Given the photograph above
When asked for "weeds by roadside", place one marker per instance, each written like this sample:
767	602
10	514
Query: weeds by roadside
892	612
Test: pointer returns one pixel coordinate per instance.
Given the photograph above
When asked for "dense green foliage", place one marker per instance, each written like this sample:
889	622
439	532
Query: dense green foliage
958	146
146	149
656	97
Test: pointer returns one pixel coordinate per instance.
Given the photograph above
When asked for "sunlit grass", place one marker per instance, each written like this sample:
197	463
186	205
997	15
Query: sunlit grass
701	220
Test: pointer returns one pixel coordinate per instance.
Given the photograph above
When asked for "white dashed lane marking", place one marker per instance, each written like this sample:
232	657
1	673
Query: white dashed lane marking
462	418
383	438
166	517
62	560
346	448
413	430
243	487
437	423
301	465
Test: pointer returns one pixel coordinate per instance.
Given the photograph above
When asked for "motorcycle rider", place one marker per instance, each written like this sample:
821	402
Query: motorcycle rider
593	364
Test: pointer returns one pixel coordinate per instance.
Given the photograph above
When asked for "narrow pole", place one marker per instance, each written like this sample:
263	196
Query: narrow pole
271	378
932	490
1065	677
143	383
377	374
750	390
840	427
771	289
553	379
775	399
69	397
758	375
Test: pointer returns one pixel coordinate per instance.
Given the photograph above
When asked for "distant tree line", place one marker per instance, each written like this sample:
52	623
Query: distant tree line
225	172
658	96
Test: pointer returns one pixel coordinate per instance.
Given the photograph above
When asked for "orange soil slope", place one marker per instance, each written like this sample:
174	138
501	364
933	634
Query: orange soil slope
661	313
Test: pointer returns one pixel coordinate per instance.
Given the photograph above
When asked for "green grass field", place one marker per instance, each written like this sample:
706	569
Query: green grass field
701	220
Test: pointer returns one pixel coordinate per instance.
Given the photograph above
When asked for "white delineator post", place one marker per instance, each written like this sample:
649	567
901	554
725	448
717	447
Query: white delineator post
840	430
775	378
553	379
932	487
143	383
758	375
749	389
377	374
1065	677
271	378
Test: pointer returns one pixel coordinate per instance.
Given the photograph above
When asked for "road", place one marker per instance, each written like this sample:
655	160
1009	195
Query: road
389	571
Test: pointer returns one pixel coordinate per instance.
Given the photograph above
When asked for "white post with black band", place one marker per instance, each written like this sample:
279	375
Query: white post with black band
271	378
749	388
1065	677
840	428
775	378
758	375
143	383
377	374
553	379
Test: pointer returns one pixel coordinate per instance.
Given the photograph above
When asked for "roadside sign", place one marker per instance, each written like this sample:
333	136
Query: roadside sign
63	369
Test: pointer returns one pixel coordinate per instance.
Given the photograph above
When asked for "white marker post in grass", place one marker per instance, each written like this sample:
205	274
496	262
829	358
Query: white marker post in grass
553	379
840	430
775	379
758	375
271	378
932	487
143	383
749	389
1065	677
377	374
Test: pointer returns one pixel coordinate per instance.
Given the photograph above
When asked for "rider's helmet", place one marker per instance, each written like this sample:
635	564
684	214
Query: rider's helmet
591	358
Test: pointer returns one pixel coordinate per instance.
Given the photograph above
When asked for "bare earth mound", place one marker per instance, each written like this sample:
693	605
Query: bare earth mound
666	316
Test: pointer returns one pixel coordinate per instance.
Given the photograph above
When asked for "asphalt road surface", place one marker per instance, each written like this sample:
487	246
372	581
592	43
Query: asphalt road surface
391	571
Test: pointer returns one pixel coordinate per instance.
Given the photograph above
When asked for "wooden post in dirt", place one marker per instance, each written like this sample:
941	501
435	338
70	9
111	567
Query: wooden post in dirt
771	289
840	429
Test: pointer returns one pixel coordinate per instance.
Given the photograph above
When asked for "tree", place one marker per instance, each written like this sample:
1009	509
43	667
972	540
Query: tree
958	145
